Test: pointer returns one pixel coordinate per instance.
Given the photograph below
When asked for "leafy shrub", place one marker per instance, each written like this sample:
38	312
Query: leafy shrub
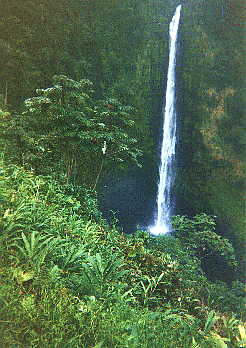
215	252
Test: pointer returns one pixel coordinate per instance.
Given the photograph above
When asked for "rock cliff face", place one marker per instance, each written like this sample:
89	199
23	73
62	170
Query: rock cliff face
210	101
212	140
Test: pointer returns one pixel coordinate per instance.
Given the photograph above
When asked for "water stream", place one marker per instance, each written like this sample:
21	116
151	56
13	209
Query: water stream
162	223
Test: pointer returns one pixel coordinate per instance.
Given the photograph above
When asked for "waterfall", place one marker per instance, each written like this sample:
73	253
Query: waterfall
166	171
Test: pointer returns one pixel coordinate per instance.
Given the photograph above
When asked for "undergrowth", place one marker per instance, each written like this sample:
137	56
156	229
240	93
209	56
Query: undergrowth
68	279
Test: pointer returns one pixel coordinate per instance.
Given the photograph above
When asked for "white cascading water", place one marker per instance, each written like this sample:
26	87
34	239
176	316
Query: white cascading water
166	170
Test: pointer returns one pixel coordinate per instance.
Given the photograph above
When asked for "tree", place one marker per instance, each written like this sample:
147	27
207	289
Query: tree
65	127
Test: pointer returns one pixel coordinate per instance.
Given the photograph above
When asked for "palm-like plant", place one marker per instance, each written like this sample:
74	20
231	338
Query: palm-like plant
150	287
70	258
210	322
99	273
35	248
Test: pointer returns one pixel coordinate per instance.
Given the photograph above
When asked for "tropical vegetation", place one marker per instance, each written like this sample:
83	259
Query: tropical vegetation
81	94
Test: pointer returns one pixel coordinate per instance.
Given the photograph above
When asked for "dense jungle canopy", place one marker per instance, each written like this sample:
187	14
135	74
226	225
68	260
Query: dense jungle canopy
81	77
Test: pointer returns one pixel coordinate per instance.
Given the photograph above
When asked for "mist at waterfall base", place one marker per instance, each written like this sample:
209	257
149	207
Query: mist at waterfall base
129	198
167	169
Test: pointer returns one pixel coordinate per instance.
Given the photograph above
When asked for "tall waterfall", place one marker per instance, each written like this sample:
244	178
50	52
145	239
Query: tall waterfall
166	170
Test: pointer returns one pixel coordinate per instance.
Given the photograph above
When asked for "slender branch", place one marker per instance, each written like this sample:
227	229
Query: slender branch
99	173
6	94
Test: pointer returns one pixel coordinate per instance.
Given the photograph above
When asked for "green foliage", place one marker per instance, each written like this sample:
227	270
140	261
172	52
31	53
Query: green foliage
67	278
198	235
103	275
87	199
213	159
70	282
69	257
34	250
224	297
127	60
68	130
